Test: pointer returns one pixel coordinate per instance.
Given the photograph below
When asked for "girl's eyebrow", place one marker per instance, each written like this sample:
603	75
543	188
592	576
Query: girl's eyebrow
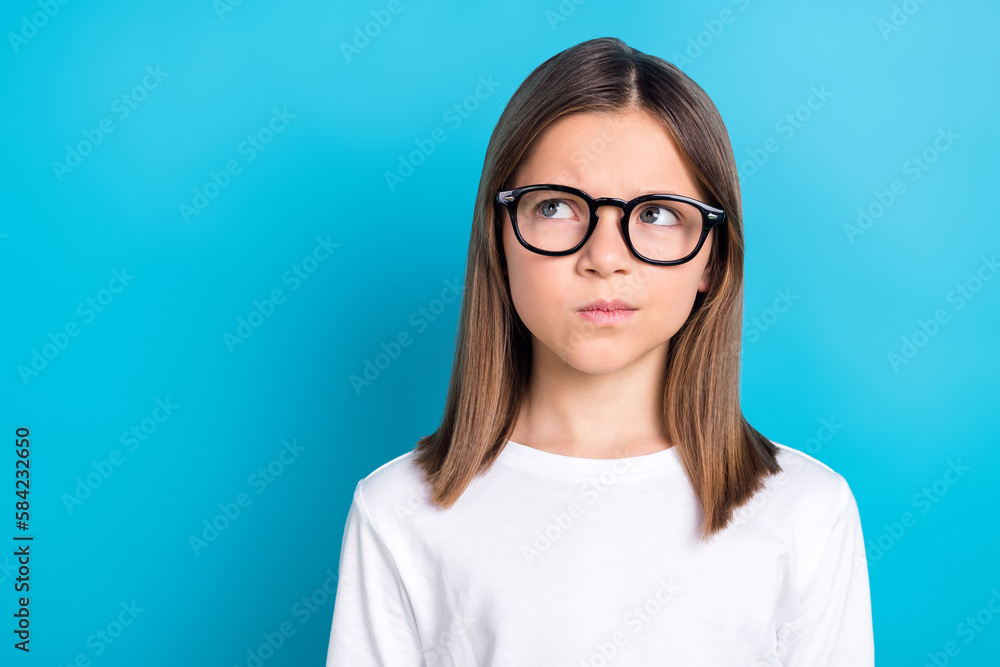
639	192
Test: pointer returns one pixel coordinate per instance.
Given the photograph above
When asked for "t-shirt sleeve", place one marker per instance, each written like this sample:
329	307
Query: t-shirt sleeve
373	622
830	621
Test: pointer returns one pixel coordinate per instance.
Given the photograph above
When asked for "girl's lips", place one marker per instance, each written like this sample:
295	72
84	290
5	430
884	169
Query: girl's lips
598	316
606	304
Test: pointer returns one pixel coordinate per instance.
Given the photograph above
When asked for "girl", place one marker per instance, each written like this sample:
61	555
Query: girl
594	495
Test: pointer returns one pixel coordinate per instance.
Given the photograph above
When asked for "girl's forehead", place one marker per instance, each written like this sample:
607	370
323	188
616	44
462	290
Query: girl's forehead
626	183
628	153
589	139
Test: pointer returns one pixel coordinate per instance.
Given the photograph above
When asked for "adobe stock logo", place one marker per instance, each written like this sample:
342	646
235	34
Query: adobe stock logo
926	330
294	276
901	13
229	512
924	500
594	489
88	310
968	629
714	27
223	7
250	148
382	18
106	635
914	167
605	650
420	319
786	127
454	115
38	20
105	468
758	324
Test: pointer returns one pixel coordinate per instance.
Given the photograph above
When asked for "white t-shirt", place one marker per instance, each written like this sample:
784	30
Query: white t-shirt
556	560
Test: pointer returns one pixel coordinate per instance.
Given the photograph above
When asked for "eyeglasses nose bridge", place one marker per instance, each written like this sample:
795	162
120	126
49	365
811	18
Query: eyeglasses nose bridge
608	201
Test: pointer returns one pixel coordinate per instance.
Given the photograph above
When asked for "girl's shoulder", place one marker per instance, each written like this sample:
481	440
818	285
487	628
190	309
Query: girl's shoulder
806	488
803	472
806	493
393	489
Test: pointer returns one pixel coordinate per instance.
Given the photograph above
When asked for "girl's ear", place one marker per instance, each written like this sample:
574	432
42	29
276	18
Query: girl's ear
705	283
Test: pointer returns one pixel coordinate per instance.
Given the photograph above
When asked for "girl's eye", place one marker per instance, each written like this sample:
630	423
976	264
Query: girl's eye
555	208
659	215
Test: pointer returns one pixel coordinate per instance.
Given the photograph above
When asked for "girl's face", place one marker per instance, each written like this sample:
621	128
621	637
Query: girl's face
622	155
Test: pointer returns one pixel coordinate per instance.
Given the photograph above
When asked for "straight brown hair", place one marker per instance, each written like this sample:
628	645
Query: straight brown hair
724	457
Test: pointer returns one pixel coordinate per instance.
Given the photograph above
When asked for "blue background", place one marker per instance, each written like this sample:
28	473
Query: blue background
855	298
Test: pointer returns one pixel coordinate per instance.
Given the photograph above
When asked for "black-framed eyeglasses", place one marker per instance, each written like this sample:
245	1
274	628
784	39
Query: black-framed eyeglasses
659	229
